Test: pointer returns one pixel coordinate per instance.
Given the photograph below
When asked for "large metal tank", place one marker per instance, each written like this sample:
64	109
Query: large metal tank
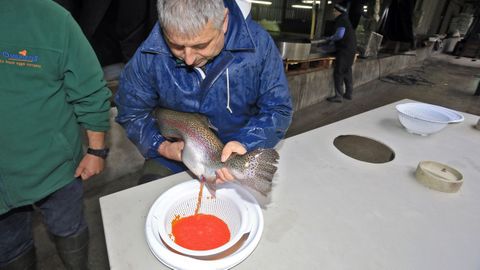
294	50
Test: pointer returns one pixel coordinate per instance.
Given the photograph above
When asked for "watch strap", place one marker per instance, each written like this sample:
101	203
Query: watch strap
103	153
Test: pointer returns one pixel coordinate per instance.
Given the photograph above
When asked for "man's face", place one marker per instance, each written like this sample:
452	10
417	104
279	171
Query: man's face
336	13
197	51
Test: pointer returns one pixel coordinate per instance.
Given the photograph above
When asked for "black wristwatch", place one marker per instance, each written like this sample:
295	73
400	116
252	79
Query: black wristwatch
103	153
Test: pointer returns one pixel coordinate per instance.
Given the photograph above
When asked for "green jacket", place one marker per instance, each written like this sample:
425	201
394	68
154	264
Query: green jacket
51	83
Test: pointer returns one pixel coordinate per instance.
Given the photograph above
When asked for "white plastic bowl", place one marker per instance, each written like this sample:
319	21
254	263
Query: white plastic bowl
228	205
421	120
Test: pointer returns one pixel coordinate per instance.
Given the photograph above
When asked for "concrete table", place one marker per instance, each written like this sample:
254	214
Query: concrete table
330	211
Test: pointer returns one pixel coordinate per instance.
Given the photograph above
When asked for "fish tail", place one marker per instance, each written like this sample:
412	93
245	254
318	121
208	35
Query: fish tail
256	169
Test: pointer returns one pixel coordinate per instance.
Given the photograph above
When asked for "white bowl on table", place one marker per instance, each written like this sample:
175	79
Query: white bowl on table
225	260
181	201
420	119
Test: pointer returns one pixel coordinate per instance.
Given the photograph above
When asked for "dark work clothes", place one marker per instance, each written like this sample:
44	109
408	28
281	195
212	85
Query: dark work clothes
344	56
355	11
396	22
348	44
342	74
62	213
114	28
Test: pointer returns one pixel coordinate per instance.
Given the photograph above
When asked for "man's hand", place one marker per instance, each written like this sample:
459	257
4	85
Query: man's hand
171	150
92	165
89	166
223	174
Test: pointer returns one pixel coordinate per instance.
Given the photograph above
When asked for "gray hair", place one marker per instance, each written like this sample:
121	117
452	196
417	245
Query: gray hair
189	17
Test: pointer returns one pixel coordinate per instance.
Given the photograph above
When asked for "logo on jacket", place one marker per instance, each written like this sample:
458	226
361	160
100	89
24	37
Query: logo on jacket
22	59
21	56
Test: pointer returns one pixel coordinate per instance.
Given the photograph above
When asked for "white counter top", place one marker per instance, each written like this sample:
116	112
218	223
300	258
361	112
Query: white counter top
330	211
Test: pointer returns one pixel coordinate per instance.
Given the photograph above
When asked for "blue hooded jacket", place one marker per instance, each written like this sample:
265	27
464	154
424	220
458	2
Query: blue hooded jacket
243	91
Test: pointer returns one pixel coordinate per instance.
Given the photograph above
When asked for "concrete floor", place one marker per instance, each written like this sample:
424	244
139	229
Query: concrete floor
454	82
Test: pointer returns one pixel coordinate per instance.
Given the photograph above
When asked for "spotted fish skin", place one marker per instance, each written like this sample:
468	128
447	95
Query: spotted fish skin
202	151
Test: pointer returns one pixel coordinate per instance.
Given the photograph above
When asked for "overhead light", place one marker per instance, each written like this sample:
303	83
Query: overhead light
310	2
267	3
302	6
329	2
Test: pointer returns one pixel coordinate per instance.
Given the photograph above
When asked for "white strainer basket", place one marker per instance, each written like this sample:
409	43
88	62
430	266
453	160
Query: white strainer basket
181	200
420	119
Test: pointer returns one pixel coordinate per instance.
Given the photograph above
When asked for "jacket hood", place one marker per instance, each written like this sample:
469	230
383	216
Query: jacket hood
237	38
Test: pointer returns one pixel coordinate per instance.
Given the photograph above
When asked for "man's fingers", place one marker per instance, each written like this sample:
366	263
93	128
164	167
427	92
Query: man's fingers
78	171
171	150
89	166
220	176
226	174
87	174
232	147
226	152
180	146
223	175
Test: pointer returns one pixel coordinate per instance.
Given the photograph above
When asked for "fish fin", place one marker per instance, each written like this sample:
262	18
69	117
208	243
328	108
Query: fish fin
256	169
204	119
211	126
211	186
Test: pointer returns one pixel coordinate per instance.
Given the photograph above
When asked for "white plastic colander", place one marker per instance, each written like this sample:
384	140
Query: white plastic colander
181	200
420	119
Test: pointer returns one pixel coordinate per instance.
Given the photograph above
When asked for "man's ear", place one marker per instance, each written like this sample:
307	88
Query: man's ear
225	21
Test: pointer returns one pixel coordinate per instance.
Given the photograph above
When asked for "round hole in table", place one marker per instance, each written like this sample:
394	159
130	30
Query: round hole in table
364	149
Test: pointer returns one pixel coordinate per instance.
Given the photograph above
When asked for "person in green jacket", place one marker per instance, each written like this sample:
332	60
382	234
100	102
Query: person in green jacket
52	91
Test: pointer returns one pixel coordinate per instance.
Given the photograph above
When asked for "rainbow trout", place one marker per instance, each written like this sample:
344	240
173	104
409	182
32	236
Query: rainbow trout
202	152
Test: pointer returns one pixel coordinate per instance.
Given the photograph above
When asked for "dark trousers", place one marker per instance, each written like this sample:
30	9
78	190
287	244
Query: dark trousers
342	74
62	214
477	93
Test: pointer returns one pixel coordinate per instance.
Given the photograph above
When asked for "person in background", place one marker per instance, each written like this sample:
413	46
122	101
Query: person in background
51	86
345	47
115	29
204	57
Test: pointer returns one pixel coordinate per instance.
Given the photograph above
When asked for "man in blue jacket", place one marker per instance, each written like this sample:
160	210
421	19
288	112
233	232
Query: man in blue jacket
204	57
